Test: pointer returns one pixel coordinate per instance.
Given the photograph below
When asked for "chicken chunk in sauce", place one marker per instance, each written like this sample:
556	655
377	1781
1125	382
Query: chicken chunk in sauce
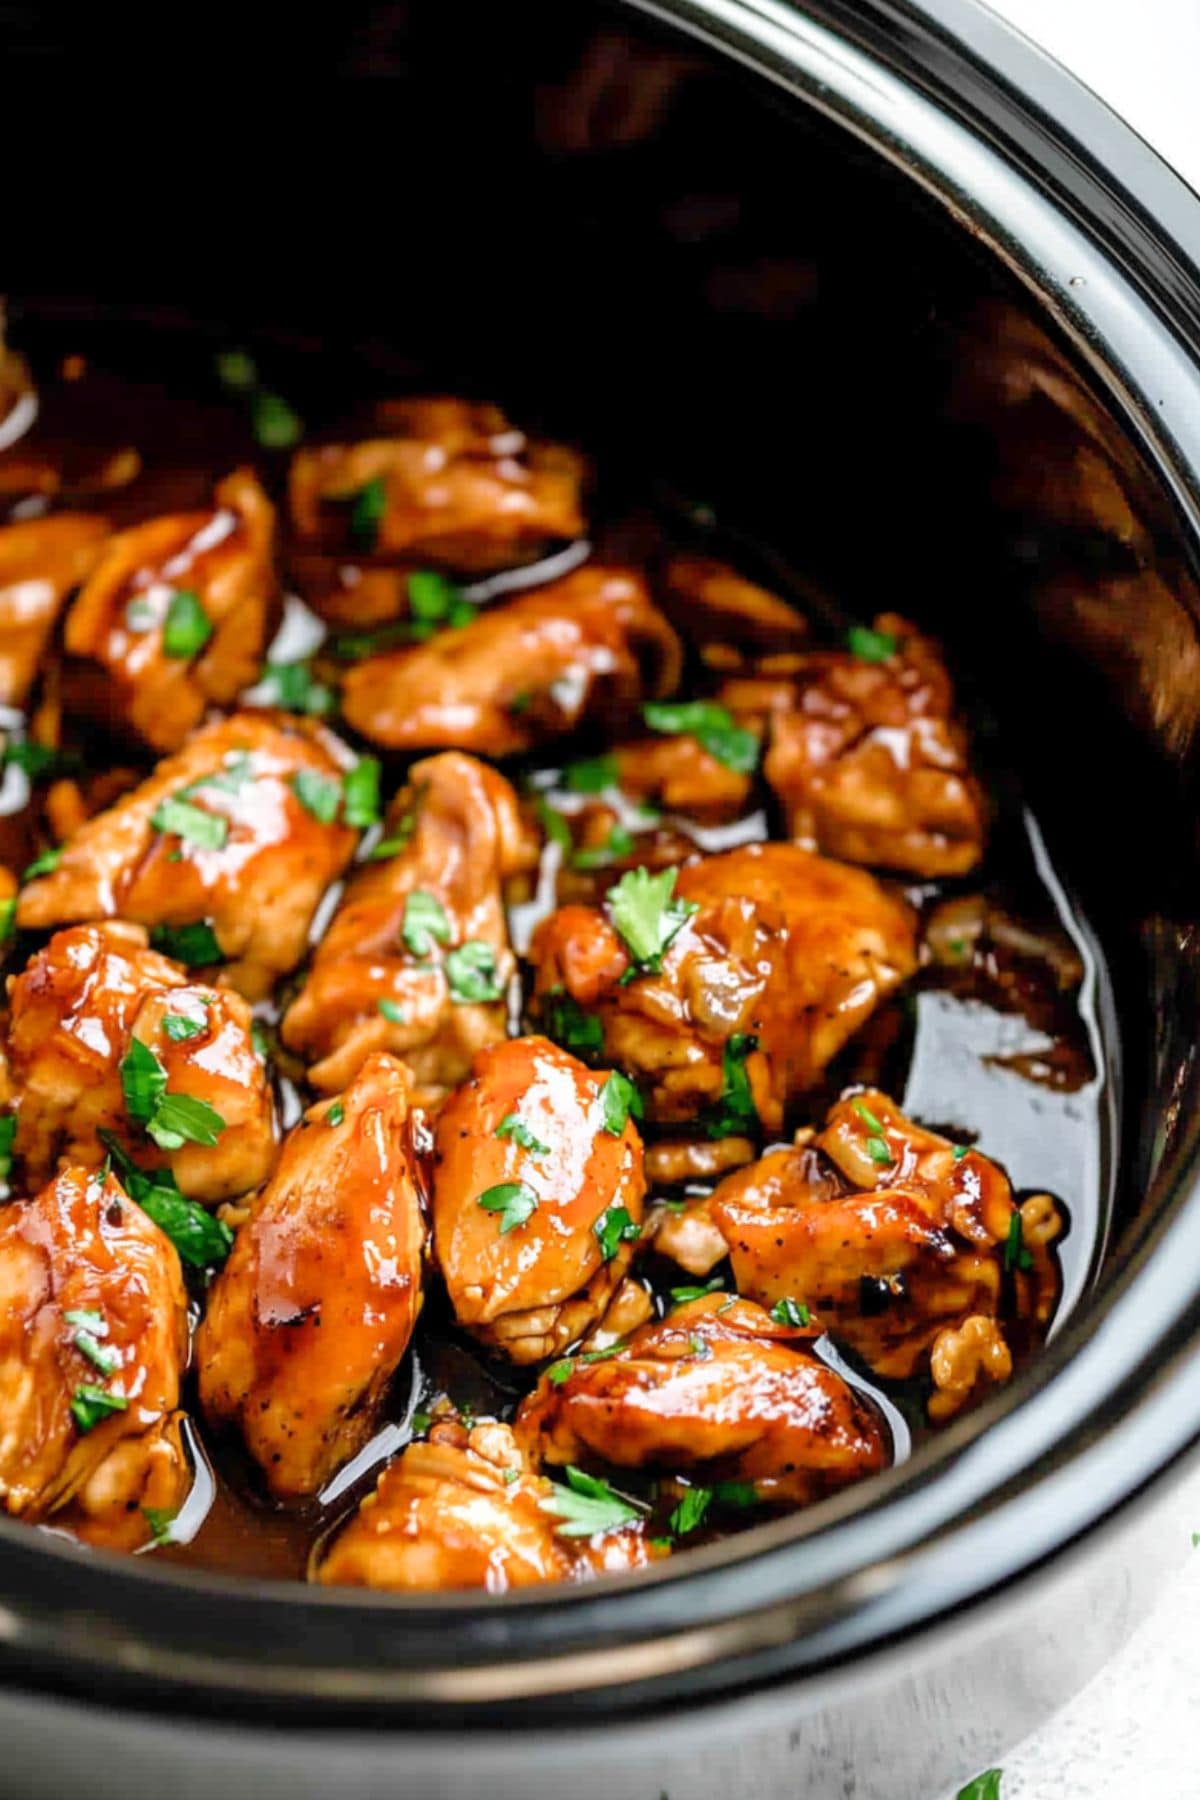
93	1341
537	1196
908	1247
725	994
224	851
42	562
310	1318
416	959
105	1034
717	1388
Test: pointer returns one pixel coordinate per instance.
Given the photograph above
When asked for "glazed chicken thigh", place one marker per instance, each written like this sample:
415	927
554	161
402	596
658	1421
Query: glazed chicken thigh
42	561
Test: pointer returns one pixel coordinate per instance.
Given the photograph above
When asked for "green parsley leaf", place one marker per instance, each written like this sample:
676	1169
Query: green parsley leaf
567	1024
878	1152
961	1150
237	768
318	794
680	1296
790	1312
275	425
739	1494
336	1114
398	839
471	973
366	513
45	864
647	916
614	1227
513	1200
360	791
36	760
236	369
8	918
193	945
89	1405
508	1476
618	1098
870	646
593	774
561	1371
552	823
984	1787
294	687
587	1506
691	1510
434	601
1016	1256
181	819
424	921
89	1319
420	1422
510	1126
160	1520
143	1081
393	1012
711	725
8	1131
592	1356
697	1345
187	627
178	1027
618	843
733	1114
182	1119
199	1237
90	1327
868	1118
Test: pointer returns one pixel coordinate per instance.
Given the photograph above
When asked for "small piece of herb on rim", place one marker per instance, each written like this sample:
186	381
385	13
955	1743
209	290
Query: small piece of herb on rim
713	727
613	1228
511	1127
187	627
587	1505
790	1312
471	973
424	922
513	1200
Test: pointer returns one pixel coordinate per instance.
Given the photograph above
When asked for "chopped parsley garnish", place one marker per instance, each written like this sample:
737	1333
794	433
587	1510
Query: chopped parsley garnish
420	1422
8	917
193	945
236	369
593	774
294	687
275	425
172	1120
424	921
237	768
90	1327
567	1023
360	794
613	1228
984	1787
471	973
178	1027
618	843
733	1114
36	760
260	1038
697	1345
318	794
143	1081
561	1371
397	840
513	1200
160	1520
508	1476
680	1296
366	513
790	1312
1016	1255
552	823
870	646
961	1150
393	1012
739	1494
511	1127
647	916
433	602
187	627
587	1505
877	1145
711	725
199	1236
181	819
618	1099
689	1514
336	1114
8	1131
89	1405
45	864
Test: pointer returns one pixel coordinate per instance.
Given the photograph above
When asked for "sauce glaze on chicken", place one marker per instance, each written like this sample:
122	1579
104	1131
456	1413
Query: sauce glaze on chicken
454	1049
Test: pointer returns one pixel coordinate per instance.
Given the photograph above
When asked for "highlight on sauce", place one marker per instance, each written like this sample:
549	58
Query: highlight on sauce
518	1057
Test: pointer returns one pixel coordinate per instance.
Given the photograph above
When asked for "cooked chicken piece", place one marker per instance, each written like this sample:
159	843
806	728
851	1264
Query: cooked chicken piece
93	1339
712	603
255	874
717	1387
521	672
134	1493
678	774
75	1012
688	1234
310	1317
537	1199
464	1511
869	763
781	959
444	481
894	1238
177	614
394	970
41	562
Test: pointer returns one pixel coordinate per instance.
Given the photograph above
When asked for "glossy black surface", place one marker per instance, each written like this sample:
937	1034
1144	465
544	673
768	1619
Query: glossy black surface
769	321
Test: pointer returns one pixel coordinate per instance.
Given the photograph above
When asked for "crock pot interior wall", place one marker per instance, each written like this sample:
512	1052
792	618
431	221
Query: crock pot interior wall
721	296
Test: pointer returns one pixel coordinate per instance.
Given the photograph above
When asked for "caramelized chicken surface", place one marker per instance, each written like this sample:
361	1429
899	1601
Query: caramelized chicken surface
252	867
869	762
537	1196
93	1340
529	669
41	562
176	614
781	957
416	959
309	1319
464	1511
444	481
713	604
77	1009
896	1240
716	1388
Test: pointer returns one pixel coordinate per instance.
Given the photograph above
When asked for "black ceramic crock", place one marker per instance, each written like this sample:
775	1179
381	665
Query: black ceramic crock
899	302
